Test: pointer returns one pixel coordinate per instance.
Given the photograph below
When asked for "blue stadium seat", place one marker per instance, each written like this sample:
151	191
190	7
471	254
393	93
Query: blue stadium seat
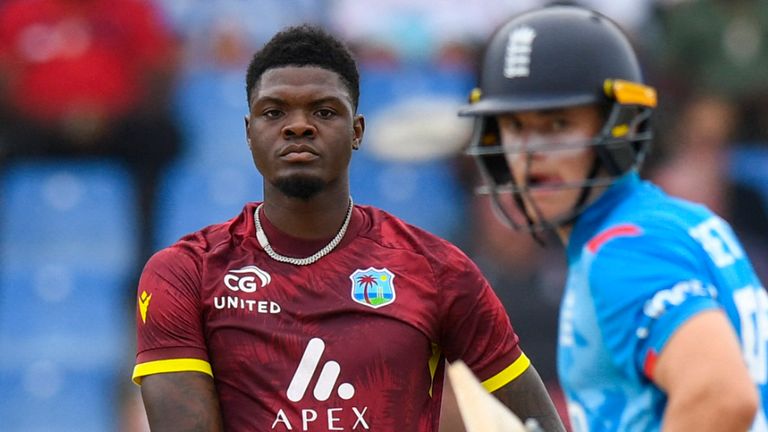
210	106
427	194
71	212
53	311
380	88
44	396
68	246
195	194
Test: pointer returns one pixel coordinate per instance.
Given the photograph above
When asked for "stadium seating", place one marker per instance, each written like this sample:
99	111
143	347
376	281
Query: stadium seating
406	165
45	396
210	106
68	245
427	194
194	194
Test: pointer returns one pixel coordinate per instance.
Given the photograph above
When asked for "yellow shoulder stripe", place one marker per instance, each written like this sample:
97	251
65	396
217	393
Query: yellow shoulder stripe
171	365
507	375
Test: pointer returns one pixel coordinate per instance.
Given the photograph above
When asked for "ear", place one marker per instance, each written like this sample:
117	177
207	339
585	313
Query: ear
247	129
358	128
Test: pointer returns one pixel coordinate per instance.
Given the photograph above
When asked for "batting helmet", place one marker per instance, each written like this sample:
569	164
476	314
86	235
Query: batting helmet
556	57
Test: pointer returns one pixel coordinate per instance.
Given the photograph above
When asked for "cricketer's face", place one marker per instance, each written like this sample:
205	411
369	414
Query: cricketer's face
549	155
302	129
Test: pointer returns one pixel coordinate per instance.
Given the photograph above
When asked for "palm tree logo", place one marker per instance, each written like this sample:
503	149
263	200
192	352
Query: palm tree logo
367	281
373	287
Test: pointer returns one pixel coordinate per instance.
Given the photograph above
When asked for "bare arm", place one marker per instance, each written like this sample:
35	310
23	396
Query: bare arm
527	397
705	378
181	401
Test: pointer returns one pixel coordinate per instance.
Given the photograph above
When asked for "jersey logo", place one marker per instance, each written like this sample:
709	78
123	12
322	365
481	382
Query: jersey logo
373	287
517	58
333	416
666	299
144	305
327	379
244	279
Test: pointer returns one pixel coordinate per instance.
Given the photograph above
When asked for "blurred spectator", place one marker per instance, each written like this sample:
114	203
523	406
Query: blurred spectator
721	47
255	20
696	167
83	78
416	29
632	15
209	102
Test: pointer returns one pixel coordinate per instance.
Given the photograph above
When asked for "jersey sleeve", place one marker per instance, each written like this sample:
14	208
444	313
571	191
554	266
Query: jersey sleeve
168	316
644	288
475	326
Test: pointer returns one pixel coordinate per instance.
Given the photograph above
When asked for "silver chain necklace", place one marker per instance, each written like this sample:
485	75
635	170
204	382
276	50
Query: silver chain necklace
264	242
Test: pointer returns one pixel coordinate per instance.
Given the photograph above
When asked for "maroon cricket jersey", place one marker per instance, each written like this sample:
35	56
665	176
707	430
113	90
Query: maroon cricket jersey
354	341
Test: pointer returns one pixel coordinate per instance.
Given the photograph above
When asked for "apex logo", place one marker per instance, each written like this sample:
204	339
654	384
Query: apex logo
325	382
331	419
244	279
517	59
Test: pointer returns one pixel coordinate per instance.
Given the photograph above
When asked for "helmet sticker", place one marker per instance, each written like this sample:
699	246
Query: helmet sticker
517	59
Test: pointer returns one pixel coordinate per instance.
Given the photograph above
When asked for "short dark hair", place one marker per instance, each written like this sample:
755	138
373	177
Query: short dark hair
305	45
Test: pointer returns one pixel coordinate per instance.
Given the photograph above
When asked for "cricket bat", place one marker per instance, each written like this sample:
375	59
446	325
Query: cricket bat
480	410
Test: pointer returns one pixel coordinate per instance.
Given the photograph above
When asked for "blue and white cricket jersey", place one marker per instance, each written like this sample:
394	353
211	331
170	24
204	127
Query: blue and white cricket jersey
641	263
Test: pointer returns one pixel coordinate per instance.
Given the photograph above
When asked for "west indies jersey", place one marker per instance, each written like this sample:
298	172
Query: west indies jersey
640	265
354	341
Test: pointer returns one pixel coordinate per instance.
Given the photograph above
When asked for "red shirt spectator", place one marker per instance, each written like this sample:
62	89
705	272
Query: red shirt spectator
69	57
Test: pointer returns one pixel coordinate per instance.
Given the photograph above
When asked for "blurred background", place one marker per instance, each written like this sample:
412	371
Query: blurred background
121	129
